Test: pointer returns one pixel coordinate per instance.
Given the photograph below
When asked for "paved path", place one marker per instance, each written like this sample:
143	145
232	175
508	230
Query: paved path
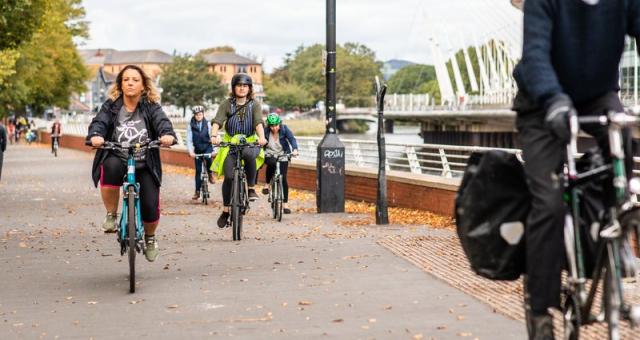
304	278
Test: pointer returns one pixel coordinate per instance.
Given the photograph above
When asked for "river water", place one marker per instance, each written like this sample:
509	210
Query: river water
402	134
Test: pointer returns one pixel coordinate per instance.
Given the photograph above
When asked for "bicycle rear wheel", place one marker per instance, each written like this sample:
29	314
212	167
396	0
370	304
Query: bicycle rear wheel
131	234
612	293
236	207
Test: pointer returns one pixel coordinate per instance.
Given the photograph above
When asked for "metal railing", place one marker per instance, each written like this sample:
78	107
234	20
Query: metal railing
442	160
433	159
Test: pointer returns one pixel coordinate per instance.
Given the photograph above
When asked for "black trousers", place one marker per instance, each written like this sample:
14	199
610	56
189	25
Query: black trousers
112	174
271	170
544	157
249	157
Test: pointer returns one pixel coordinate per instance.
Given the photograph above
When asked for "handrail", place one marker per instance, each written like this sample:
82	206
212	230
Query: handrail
434	159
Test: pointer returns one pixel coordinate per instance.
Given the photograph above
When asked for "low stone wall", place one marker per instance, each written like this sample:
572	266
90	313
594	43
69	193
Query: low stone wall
407	190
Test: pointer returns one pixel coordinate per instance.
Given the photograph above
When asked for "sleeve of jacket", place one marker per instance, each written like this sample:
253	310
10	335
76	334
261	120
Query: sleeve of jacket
292	140
535	73
257	115
160	122
189	139
99	123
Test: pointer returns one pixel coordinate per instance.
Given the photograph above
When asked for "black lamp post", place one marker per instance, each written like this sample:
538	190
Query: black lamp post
331	158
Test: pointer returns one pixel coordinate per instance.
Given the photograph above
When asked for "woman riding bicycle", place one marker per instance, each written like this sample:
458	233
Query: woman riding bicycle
131	114
199	142
280	142
240	116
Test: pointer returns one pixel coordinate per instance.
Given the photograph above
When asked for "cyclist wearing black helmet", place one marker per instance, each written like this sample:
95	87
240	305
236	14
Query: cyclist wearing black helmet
241	116
199	142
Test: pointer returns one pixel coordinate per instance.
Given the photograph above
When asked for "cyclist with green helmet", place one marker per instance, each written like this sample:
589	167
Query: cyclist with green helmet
280	142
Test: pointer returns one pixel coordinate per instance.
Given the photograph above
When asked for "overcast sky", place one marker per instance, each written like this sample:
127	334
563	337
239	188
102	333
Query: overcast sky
269	29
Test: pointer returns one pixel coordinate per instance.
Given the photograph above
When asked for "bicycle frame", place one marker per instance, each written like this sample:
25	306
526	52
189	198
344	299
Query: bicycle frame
611	232
131	181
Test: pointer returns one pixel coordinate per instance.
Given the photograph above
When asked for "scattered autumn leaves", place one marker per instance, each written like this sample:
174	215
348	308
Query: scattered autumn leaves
402	216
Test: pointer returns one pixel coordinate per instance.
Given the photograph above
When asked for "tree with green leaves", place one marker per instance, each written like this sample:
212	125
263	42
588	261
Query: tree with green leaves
356	69
210	50
48	68
411	78
188	82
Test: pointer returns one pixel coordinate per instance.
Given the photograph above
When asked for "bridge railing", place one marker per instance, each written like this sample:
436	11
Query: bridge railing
433	159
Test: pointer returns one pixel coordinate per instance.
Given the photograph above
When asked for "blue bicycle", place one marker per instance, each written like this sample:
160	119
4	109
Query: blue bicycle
131	239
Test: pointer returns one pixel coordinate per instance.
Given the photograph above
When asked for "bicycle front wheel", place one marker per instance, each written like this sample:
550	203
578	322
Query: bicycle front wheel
571	317
131	234
204	191
612	294
279	198
236	207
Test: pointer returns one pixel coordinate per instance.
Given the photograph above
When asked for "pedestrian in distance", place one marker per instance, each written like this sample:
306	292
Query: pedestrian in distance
131	114
3	145
56	132
199	142
240	116
570	61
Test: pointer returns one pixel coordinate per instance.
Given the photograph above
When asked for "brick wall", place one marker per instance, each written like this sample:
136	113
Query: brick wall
407	190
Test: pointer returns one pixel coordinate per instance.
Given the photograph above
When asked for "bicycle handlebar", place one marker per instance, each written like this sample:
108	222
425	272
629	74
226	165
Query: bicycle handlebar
125	146
204	155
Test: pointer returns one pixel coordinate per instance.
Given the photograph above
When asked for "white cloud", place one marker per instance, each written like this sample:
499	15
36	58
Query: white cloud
271	28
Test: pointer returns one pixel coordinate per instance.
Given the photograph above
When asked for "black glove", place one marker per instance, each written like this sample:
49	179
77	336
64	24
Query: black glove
557	116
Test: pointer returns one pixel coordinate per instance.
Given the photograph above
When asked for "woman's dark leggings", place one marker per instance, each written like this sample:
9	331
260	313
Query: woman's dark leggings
112	174
271	171
249	156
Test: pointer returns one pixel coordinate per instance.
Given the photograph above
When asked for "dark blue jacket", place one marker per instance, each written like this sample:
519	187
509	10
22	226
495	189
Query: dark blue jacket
286	138
574	48
201	138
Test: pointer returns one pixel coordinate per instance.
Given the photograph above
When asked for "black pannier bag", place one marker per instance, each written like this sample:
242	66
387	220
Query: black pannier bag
491	208
492	204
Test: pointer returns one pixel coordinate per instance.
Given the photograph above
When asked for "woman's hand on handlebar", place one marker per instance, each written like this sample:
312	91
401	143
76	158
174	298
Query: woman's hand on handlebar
97	141
295	153
215	140
167	140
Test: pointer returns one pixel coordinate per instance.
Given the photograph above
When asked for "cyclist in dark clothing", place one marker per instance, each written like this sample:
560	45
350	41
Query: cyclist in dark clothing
131	114
240	116
199	142
570	61
3	145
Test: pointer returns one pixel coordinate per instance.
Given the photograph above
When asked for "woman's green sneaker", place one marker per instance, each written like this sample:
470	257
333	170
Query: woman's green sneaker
151	248
110	223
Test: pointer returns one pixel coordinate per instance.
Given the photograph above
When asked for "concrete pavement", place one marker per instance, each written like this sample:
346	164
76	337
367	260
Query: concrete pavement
304	278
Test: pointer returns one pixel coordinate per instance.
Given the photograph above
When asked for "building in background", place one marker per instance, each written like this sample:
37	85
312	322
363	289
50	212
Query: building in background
226	64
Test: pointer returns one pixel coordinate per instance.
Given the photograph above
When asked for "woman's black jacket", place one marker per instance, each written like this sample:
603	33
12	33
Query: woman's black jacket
155	120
